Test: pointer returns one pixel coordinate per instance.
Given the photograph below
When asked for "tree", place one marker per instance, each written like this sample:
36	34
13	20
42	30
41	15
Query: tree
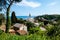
13	18
29	25
6	4
2	18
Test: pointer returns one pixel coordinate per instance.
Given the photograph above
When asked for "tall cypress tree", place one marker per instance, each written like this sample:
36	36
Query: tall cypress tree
13	18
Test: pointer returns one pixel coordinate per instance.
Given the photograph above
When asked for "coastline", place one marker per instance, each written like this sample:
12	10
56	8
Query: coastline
24	17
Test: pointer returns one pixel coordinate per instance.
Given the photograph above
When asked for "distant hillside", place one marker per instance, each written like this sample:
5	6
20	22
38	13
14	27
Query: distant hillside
49	17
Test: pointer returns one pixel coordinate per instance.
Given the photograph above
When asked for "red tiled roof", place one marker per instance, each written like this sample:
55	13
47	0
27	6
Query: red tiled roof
22	32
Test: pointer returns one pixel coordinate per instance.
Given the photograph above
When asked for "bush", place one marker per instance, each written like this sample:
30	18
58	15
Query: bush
2	18
1	31
29	25
50	30
53	30
21	21
0	22
33	30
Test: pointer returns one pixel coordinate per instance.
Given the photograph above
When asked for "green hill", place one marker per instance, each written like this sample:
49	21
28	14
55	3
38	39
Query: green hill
49	17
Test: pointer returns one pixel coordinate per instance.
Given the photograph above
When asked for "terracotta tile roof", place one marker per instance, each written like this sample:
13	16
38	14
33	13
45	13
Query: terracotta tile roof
22	32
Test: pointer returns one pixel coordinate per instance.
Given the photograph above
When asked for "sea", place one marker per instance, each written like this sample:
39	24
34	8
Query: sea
24	17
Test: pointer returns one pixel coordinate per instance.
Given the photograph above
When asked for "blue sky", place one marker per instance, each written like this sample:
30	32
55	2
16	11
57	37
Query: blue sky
36	7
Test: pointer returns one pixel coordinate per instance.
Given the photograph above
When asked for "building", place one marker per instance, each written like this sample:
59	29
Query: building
20	28
36	24
30	19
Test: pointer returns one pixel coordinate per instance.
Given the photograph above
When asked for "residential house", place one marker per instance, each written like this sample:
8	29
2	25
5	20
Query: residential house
30	20
20	28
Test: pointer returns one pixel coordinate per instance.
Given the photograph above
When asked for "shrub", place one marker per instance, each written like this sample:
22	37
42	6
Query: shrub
53	30
1	31
29	25
33	30
2	18
0	22
20	21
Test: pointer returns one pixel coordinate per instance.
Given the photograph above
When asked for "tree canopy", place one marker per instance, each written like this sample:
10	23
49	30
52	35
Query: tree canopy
4	4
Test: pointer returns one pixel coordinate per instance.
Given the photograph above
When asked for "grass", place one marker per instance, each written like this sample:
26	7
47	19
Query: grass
7	36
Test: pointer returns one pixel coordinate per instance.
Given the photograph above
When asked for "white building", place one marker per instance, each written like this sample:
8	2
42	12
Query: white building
36	24
30	20
21	28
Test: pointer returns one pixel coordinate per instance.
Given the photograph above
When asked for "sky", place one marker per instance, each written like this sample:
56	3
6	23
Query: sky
36	7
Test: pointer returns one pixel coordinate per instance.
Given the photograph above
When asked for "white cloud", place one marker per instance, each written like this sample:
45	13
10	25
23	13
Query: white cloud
29	4
52	4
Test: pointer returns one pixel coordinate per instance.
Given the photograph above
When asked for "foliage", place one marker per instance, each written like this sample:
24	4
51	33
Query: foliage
41	24
1	31
21	21
7	36
2	18
29	25
49	17
53	30
0	22
33	30
37	37
5	3
57	29
35	34
13	18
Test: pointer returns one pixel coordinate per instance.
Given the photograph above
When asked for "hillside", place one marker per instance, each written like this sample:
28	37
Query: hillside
49	17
